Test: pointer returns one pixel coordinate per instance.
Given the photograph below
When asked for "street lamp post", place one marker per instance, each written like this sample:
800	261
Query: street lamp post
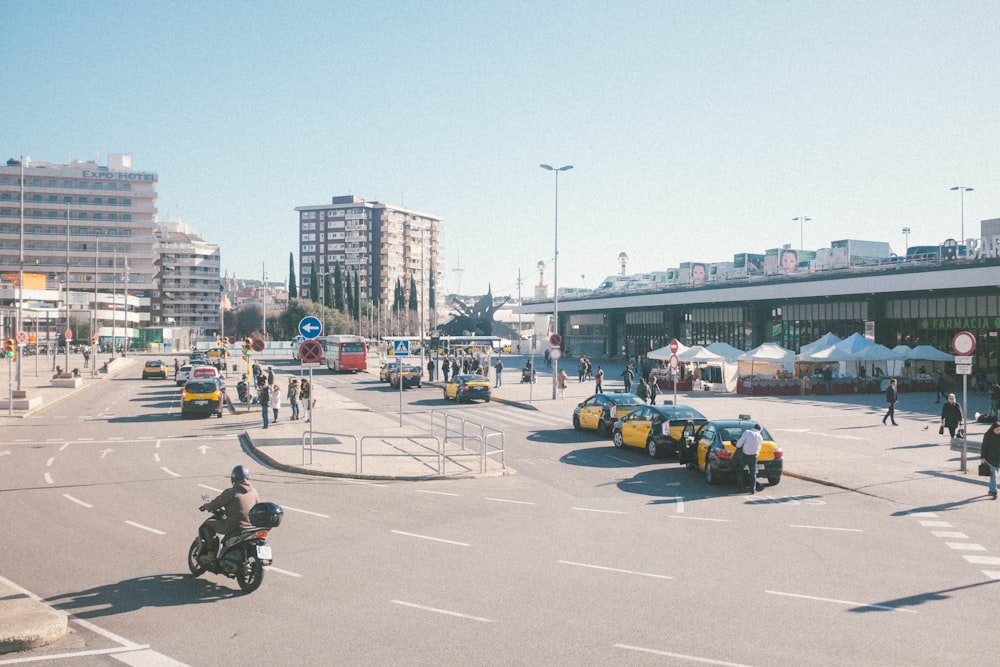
802	220
906	240
961	191
20	278
555	274
66	340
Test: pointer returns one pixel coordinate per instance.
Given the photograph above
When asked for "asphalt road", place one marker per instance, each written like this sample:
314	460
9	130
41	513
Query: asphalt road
590	555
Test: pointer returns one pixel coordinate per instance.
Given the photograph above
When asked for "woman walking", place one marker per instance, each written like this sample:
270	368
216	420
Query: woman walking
951	415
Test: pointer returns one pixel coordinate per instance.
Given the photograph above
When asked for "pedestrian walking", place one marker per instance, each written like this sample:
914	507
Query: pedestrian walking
561	381
747	448
994	398
991	454
264	399
951	415
828	380
599	381
642	390
306	399
498	367
430	370
275	400
270	375
445	368
654	389
293	397
940	388
581	368
627	376
86	358
891	398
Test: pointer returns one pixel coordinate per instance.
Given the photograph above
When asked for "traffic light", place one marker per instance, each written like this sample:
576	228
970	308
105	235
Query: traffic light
10	349
246	349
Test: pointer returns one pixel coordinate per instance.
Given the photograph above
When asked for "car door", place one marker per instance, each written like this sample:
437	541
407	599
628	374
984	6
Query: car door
639	421
706	441
590	413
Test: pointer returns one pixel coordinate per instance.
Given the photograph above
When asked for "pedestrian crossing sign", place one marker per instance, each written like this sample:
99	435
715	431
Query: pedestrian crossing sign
401	348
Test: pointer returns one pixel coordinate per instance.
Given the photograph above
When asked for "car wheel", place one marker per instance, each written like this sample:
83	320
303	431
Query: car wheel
652	449
773	481
617	439
576	423
711	476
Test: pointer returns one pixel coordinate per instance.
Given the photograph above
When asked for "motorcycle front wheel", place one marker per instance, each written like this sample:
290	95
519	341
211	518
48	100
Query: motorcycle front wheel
251	575
197	569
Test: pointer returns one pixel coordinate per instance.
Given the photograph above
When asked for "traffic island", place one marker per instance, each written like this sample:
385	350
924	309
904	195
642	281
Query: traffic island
26	622
19	400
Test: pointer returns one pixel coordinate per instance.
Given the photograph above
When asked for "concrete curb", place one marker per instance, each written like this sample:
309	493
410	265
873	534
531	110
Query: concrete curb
27	622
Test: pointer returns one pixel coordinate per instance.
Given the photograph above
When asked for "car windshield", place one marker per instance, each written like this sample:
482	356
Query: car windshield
682	412
622	399
204	387
730	433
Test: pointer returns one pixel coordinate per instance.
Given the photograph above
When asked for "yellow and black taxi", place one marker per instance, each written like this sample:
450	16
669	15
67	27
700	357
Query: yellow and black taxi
468	387
154	368
601	411
713	448
205	396
385	370
410	375
660	429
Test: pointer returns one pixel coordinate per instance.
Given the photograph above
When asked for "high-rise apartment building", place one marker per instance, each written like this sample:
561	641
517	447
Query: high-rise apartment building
380	243
86	223
189	281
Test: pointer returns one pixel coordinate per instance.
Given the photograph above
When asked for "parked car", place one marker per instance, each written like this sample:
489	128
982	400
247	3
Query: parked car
468	387
411	376
203	397
203	372
601	411
154	368
714	444
183	374
660	429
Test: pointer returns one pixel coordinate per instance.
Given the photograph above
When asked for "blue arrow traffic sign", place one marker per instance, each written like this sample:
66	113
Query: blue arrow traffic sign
310	327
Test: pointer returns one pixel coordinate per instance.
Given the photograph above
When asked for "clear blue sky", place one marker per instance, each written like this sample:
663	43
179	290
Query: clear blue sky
696	129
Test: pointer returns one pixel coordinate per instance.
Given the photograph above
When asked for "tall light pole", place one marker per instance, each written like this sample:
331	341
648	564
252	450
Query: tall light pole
95	338
906	240
66	340
961	190
555	274
802	220
20	279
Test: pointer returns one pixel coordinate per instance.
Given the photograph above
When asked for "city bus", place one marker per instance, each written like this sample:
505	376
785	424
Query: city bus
345	353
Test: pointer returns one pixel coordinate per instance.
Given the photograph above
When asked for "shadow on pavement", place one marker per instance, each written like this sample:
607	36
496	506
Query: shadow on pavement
122	597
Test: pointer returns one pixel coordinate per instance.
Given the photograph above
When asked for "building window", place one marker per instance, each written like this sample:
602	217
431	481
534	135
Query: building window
126	202
127	217
96	186
82	185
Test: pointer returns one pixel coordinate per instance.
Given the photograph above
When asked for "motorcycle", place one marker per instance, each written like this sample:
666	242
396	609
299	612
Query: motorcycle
244	555
528	375
243	391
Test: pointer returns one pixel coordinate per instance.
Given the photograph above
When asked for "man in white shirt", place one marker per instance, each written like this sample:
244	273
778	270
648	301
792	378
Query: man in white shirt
749	444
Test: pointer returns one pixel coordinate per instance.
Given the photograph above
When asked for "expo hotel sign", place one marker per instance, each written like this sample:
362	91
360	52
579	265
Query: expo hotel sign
121	175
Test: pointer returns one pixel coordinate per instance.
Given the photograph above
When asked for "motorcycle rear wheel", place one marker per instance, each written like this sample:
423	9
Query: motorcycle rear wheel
197	569
251	575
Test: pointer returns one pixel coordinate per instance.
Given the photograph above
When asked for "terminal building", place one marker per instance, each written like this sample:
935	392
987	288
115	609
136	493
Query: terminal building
921	299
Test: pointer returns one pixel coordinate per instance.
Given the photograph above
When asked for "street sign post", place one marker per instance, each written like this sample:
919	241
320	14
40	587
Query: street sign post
963	344
310	327
400	348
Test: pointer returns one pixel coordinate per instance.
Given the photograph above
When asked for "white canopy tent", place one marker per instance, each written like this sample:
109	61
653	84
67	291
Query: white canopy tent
663	353
731	354
826	340
766	359
704	357
927	353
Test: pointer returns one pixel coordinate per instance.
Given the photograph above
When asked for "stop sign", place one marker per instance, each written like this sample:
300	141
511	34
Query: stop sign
674	345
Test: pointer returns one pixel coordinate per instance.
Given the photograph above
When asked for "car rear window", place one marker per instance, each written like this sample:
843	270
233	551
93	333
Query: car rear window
623	399
202	387
683	412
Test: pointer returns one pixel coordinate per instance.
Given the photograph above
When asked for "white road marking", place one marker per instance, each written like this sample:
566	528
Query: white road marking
53	440
139	525
105	452
65	445
294	509
949	533
617	458
170	472
700	518
114	652
935	524
846	530
433	539
848	602
48	464
147	658
505	500
589	509
982	560
442	611
932	515
286	572
77	501
966	546
362	482
48	477
156	456
614	569
680	656
438	493
992	574
211	488
679	500
116	438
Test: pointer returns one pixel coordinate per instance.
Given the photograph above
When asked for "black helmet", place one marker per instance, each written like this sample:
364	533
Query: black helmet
239	472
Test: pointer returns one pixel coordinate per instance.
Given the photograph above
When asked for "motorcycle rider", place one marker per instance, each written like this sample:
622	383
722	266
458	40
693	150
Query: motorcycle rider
237	499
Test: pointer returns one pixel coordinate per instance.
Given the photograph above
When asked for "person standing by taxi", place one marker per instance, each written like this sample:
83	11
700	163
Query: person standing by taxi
748	447
627	376
599	381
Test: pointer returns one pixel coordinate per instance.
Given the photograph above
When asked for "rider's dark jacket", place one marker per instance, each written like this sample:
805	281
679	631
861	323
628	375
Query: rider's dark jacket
237	499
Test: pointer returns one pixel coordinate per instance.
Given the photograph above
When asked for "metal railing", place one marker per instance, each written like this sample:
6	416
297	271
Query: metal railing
470	434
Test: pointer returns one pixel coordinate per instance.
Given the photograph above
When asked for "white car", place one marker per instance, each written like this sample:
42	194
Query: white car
182	375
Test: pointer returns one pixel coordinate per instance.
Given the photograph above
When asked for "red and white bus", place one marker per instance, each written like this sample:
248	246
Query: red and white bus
345	353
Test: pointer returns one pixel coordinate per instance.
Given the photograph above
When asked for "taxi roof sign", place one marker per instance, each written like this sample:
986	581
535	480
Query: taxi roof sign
401	348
